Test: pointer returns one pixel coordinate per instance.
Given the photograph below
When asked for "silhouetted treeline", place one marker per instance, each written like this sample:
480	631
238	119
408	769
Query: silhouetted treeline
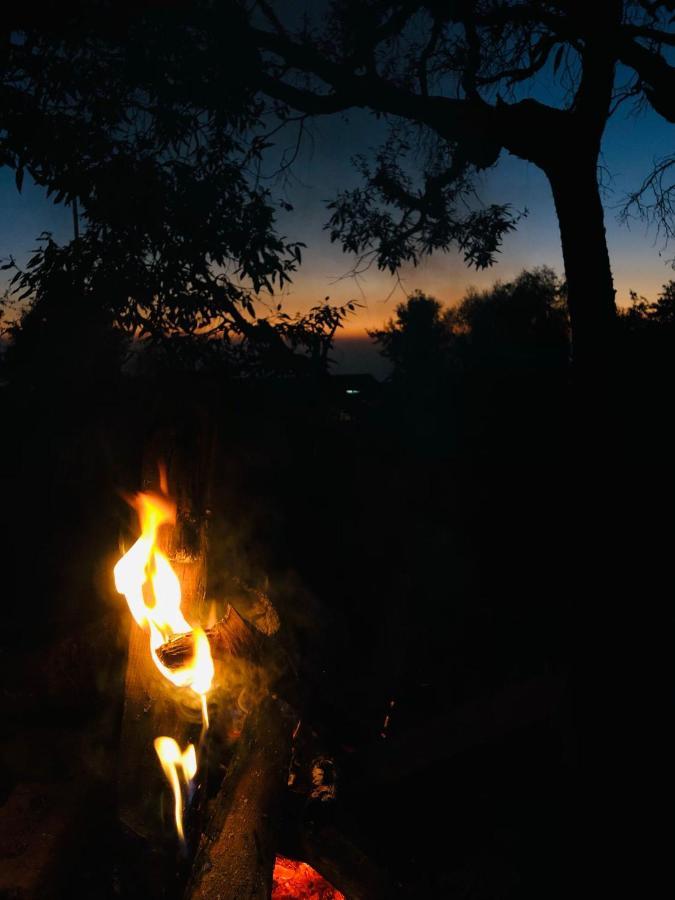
435	567
494	371
514	325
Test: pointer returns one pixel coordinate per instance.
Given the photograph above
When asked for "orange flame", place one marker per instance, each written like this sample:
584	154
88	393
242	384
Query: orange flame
152	590
172	759
151	587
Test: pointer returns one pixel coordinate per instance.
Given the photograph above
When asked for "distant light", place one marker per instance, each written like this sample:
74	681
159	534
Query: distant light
352	391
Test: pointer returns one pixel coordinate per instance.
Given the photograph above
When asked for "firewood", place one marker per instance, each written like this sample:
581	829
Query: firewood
256	607
150	708
235	857
230	636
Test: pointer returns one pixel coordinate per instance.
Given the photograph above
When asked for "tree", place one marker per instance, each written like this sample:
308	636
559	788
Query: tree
158	118
466	78
492	369
660	312
416	341
648	332
518	324
113	110
98	107
514	325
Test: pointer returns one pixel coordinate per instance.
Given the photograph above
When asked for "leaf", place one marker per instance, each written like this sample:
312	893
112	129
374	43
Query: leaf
558	58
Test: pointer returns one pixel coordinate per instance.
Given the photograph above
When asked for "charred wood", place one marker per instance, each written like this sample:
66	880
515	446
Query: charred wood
235	856
230	636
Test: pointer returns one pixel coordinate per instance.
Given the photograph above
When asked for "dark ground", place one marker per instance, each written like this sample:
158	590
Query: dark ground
440	561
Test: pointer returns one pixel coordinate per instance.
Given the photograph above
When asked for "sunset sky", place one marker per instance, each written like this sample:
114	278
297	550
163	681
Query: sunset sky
639	260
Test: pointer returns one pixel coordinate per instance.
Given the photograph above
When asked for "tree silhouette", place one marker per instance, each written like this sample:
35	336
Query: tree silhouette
465	79
513	325
518	324
648	332
416	341
114	109
493	368
158	122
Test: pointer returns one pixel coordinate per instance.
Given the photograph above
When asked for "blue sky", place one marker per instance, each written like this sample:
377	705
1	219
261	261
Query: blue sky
631	144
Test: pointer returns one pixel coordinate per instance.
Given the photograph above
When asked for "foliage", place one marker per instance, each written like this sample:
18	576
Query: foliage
394	221
157	137
73	305
64	337
160	121
458	84
659	312
416	341
522	323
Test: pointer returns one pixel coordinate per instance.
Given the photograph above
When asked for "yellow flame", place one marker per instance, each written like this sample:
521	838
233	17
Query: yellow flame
172	759
151	587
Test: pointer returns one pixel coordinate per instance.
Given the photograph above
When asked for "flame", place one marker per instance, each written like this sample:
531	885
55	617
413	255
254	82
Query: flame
151	587
172	759
152	590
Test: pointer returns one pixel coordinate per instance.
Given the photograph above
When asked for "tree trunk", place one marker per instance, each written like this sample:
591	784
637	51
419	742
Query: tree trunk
588	272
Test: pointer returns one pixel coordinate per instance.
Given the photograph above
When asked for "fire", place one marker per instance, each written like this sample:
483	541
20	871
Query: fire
172	759
294	880
153	593
151	587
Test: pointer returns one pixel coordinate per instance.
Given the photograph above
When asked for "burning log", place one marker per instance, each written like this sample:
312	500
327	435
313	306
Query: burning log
230	636
236	854
149	708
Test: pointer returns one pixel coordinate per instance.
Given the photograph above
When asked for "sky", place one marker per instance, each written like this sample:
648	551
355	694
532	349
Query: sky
640	262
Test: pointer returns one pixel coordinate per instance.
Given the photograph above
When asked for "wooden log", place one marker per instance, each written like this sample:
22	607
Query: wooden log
151	708
235	856
230	636
248	663
256	607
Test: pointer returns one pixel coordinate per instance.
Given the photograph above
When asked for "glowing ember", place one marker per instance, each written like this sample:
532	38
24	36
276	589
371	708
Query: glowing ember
297	881
172	759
